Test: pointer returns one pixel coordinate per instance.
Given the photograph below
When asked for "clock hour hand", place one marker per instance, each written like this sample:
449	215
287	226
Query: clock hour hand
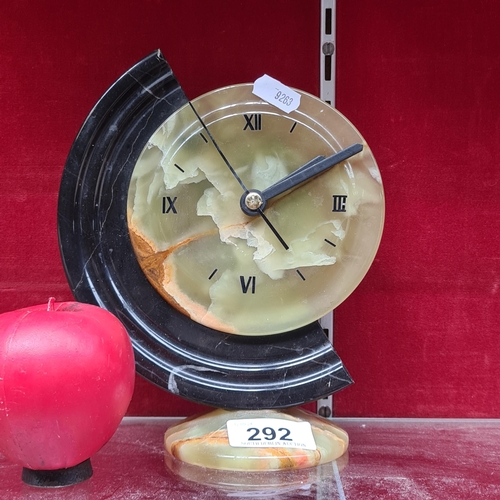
253	201
310	170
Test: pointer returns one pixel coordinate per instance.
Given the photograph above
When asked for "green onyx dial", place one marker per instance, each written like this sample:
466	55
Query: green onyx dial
226	240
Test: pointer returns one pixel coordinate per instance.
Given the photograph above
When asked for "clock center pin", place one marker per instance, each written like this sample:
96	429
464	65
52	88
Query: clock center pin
253	200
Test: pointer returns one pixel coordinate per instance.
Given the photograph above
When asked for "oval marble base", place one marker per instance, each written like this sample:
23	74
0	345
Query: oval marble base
253	484
204	441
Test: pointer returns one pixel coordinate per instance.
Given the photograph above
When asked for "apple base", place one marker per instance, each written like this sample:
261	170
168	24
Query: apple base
205	440
58	477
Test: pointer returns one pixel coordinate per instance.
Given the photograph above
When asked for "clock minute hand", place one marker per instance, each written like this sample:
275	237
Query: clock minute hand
237	177
308	171
221	154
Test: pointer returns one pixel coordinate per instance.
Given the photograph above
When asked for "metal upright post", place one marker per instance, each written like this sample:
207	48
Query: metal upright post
327	93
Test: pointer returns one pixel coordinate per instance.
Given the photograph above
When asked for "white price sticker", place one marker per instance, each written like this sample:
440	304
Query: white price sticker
274	92
270	433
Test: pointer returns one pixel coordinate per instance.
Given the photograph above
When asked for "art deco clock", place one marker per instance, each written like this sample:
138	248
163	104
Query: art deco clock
219	231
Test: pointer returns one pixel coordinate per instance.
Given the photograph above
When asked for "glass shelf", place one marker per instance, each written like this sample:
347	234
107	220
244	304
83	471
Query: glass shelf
387	459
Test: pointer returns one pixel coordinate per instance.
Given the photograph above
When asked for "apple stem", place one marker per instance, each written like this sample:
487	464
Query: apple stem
50	305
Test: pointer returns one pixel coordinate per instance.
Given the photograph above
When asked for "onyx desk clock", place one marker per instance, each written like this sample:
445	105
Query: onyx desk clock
219	230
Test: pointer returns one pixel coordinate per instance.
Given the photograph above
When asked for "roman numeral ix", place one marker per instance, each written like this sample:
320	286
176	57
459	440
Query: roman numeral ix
168	204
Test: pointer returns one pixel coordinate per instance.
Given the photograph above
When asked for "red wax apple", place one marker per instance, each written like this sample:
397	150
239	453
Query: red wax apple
66	379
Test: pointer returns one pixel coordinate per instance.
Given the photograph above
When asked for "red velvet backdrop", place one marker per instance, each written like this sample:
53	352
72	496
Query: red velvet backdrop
420	80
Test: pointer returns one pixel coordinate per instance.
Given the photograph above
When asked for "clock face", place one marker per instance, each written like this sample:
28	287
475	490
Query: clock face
253	275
